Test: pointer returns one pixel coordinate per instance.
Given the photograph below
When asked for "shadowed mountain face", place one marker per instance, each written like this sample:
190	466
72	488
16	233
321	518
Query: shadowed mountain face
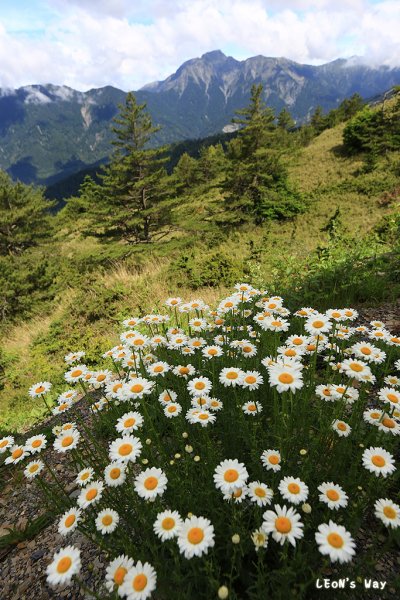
48	132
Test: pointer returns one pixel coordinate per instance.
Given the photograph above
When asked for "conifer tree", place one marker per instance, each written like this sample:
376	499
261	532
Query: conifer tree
285	120
24	216
256	182
132	201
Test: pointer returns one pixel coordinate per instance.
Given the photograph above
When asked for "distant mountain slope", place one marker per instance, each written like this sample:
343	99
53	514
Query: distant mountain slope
48	132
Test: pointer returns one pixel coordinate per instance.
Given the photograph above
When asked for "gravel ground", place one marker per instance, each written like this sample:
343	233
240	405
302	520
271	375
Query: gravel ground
23	567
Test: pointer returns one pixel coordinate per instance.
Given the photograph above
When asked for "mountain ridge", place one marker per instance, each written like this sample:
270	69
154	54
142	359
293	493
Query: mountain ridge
48	131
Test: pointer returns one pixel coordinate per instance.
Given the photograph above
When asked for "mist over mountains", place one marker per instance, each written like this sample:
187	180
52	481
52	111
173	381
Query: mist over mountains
48	132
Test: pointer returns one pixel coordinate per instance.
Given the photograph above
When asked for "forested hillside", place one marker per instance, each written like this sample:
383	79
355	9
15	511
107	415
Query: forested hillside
310	212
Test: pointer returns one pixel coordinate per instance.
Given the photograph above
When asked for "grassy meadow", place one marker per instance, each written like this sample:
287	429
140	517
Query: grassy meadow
99	283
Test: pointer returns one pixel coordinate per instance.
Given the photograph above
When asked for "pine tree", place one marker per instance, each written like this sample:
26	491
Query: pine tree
257	182
132	201
24	216
285	120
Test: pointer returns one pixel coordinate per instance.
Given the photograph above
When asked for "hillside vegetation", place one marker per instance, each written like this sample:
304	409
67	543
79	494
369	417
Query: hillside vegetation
297	212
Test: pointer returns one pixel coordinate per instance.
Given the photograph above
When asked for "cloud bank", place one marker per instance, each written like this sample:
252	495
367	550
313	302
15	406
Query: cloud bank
91	43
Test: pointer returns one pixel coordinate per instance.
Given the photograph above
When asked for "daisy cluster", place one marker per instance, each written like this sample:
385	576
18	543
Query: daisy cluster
234	428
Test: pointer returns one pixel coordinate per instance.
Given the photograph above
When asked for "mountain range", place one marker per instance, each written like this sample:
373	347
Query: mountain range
48	132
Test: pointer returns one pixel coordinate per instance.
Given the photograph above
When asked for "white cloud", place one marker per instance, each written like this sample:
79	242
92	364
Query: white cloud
91	43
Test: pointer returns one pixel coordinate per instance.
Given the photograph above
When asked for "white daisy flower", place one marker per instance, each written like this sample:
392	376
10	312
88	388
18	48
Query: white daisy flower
293	489
139	582
115	474
229	475
341	428
18	453
393	340
212	351
6	443
116	572
271	459
199	386
355	369
196	536
124	449
91	494
107	521
248	349
333	540
173	409
33	469
75	374
167	396
284	378
259	493
388	394
85	476
372	416
67	440
158	369
231	376
173	302
238	495
297	341
325	392
129	422
138	387
69	521
392	380
379	461
317	323
252	380
284	524
252	408
151	483
388	512
389	425
184	371
39	389
204	417
73	357
66	563
167	525
333	495
215	404
36	443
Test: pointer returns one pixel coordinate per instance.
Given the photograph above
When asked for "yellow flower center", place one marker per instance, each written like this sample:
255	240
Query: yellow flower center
107	520
40	389
33	468
140	582
137	388
4	443
318	324
64	564
274	459
168	523
203	416
199	385
231	475
212	351
119	575
294	488
91	494
17	453
260	492
395	340
130	422
276	323
195	535
67	441
183	370
356	367
125	449
250	379
70	520
115	473
297	341
389	423
286	378
138	342
389	512
365	350
336	315
76	373
37	443
232	375
341	426
335	540
332	495
150	483
171	409
158	369
283	525
247	349
392	398
378	460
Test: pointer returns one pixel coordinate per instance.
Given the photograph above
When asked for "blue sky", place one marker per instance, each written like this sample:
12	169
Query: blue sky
128	43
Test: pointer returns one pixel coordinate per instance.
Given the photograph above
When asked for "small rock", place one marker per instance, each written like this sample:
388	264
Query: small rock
37	554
